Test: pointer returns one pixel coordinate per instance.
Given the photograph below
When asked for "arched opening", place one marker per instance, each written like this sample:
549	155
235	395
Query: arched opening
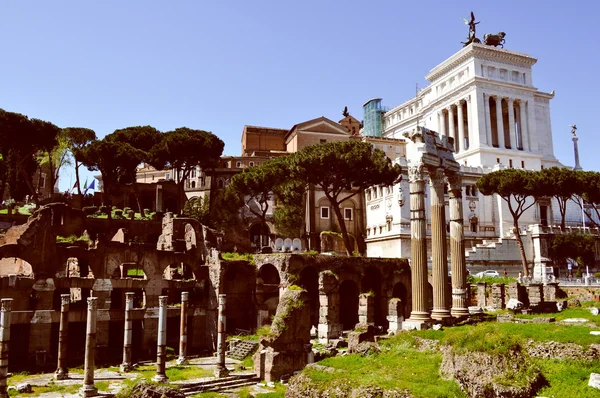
399	292
309	281
267	292
15	266
131	270
72	269
239	289
348	304
371	282
178	271
259	235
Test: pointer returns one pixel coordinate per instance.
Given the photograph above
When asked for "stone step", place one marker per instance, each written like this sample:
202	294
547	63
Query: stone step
209	381
224	383
243	349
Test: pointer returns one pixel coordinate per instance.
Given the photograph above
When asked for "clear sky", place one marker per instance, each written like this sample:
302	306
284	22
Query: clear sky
219	65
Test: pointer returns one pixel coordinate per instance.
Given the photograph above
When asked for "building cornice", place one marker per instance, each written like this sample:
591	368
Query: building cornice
481	51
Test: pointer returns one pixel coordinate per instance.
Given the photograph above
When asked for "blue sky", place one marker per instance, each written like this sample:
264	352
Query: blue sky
220	65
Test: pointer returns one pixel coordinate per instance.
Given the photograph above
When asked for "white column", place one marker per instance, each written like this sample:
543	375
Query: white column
89	389
471	123
452	131
183	329
499	122
161	349
488	119
127	365
461	128
531	126
523	125
221	370
6	304
511	123
441	123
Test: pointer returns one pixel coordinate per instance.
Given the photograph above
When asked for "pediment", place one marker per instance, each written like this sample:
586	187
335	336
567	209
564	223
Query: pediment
322	125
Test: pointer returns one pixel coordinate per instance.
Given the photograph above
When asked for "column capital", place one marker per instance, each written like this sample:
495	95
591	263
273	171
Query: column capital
222	299
415	172
65	299
162	301
454	181
467	98
510	100
185	296
449	108
457	103
92	303
436	175
6	304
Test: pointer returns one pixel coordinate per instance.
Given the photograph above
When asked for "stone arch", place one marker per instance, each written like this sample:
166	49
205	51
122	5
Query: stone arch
238	284
178	271
309	281
15	266
399	291
260	234
348	304
267	291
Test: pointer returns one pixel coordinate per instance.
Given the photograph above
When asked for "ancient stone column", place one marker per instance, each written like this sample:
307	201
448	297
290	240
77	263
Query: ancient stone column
221	370
523	125
488	119
499	122
366	309
418	248
62	371
395	315
457	248
441	307
329	307
511	123
451	126
461	128
127	364
4	342
89	389
442	122
161	349
471	140
183	329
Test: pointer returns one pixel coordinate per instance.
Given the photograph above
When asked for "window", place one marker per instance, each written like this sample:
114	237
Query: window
202	182
522	164
251	164
42	180
220	183
324	212
238	164
322	141
510	163
368	194
193	173
193	184
497	160
167	176
152	177
347	213
542	167
474	190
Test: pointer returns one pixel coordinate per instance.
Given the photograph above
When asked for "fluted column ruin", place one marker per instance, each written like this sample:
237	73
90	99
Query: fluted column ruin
161	351
183	329
127	364
89	389
457	248
221	370
62	371
5	309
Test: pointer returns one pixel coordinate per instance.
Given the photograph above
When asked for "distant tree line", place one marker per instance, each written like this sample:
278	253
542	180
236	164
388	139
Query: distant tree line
520	189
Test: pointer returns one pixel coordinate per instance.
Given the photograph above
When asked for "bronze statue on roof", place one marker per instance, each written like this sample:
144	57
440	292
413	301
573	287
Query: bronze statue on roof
472	30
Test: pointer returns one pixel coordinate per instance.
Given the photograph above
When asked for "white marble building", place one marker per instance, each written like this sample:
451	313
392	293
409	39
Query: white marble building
484	98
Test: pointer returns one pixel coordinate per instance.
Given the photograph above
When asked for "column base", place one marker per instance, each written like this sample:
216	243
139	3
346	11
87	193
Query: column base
182	361
88	391
61	374
126	367
415	324
160	378
459	312
221	372
440	315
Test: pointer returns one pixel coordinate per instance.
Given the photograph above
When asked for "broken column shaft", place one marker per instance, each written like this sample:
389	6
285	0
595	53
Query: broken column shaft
89	389
221	370
457	248
441	307
4	341
127	364
183	329
161	351
62	371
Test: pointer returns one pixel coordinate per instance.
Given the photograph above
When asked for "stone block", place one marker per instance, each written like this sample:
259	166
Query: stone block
594	380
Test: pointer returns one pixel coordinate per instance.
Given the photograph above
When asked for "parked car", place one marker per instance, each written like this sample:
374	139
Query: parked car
489	272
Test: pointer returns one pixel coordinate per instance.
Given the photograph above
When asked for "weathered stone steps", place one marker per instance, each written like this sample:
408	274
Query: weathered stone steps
224	383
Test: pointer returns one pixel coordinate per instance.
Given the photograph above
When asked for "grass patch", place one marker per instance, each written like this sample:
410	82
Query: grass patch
399	366
567	379
279	392
258	333
238	257
72	239
491	280
580	312
50	388
178	373
209	394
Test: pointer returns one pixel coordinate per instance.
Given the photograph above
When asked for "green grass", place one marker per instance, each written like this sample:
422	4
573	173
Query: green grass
135	272
209	394
399	366
72	238
491	280
580	312
50	388
259	332
568	379
238	257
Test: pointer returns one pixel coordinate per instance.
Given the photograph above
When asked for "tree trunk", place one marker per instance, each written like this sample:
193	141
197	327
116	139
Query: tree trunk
2	188
77	164
340	218
562	206
517	233
32	189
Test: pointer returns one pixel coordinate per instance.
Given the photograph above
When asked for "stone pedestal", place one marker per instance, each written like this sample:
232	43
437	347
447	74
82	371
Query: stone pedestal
457	248
5	310
89	389
221	370
127	364
62	372
183	330
419	316
498	296
441	307
161	351
481	295
395	317
366	309
536	294
329	308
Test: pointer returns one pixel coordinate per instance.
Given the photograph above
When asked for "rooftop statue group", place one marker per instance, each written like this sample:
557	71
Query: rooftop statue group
489	39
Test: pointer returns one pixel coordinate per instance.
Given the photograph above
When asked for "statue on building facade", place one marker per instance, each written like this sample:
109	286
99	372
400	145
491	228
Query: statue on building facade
472	28
495	40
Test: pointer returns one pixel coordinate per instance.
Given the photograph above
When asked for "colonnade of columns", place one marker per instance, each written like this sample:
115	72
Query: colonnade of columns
455	121
442	307
495	132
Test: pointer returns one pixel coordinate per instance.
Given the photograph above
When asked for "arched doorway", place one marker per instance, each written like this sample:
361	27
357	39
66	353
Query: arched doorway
348	304
309	281
399	292
239	289
259	235
267	292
